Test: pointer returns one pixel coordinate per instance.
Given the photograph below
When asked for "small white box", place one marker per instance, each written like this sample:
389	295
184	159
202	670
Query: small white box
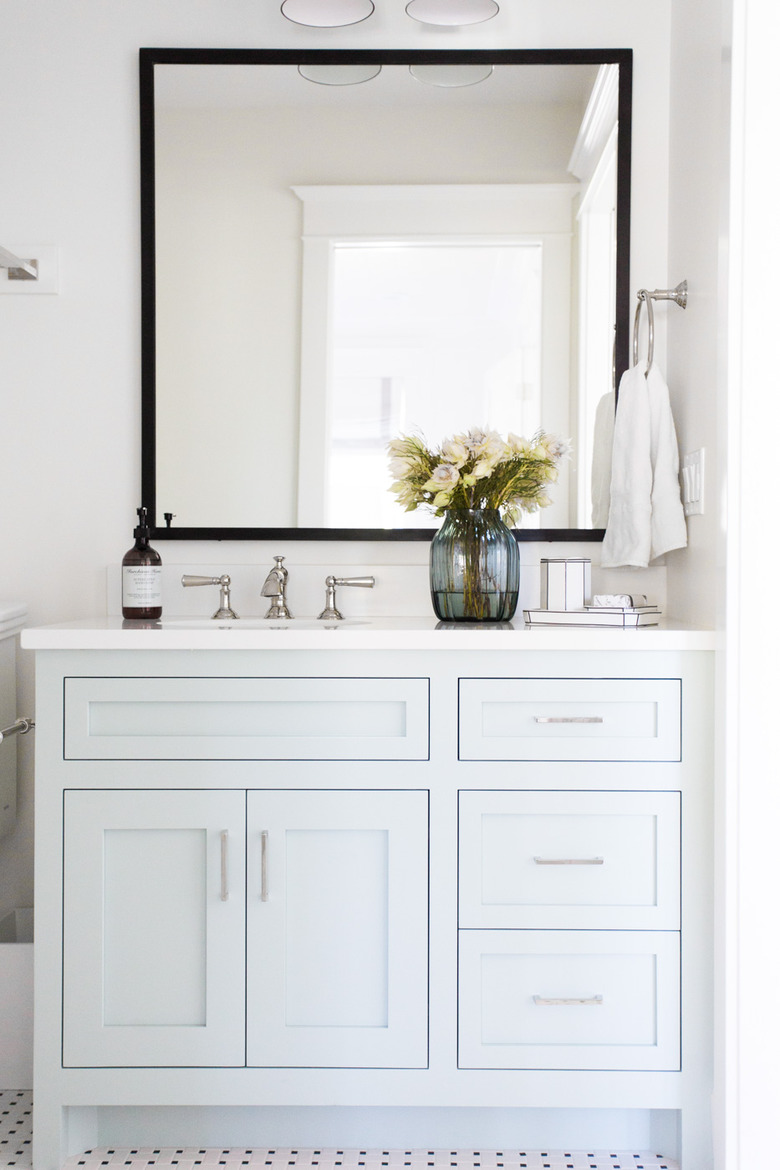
565	582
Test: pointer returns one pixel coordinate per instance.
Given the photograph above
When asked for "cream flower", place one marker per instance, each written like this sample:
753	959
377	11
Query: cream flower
486	444
483	468
455	451
444	478
518	445
554	447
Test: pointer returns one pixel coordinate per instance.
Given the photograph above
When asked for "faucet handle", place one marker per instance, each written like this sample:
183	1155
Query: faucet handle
225	610
363	582
330	613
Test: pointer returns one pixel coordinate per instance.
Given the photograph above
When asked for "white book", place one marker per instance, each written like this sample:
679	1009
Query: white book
622	619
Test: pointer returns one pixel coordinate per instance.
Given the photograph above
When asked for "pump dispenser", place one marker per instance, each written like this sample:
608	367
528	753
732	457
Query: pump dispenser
142	576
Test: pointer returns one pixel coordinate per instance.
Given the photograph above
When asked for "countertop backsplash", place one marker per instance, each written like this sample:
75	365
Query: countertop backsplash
400	571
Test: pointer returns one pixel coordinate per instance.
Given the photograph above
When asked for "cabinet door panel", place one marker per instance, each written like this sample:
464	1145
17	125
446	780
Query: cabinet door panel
153	935
337	914
246	718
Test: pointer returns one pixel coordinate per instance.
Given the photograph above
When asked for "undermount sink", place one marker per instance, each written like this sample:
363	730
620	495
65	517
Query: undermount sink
258	623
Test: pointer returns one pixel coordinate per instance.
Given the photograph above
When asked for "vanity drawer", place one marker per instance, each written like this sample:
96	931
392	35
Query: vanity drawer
569	719
569	860
569	1000
246	718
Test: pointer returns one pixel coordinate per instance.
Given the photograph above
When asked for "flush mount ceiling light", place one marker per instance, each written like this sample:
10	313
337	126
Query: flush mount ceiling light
451	12
339	74
327	13
451	76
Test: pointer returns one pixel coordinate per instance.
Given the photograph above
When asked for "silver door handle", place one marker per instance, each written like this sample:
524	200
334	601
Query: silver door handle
573	1001
568	861
568	719
264	865
224	892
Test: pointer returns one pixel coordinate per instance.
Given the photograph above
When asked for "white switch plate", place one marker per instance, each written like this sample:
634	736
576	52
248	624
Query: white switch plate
693	483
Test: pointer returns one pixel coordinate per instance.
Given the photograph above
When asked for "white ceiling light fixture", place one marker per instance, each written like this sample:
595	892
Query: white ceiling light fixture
451	76
327	13
339	74
451	12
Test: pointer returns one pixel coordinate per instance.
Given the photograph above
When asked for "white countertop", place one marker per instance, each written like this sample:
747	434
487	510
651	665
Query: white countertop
172	633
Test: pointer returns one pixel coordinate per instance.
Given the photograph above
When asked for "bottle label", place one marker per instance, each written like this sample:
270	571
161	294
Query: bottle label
141	586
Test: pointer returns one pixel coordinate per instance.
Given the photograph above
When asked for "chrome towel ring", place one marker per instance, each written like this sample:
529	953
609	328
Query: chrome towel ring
680	297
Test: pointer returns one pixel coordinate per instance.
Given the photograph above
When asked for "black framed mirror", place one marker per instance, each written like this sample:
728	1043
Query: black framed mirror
284	193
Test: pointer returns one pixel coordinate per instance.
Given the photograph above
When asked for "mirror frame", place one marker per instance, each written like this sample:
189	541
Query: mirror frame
150	57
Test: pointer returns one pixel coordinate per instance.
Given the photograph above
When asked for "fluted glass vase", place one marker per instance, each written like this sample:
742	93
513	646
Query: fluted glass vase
475	567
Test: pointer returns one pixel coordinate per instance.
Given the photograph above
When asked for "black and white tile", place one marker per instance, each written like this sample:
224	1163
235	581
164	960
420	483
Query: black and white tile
190	1157
16	1128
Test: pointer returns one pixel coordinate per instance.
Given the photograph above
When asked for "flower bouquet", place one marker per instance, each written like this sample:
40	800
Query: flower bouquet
481	484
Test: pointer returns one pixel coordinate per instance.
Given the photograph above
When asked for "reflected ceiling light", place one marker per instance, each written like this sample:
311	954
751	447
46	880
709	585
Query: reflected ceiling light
339	74
327	13
451	76
451	12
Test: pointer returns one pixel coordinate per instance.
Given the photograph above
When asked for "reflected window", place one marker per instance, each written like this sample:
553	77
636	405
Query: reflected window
428	337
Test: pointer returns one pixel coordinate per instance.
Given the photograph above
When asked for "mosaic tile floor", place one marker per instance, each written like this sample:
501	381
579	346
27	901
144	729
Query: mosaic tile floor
16	1138
328	1159
15	1128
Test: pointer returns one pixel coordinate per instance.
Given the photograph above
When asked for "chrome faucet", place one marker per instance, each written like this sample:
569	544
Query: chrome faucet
225	609
275	586
330	613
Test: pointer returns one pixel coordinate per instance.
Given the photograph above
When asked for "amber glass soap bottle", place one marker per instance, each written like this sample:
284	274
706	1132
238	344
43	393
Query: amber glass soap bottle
142	576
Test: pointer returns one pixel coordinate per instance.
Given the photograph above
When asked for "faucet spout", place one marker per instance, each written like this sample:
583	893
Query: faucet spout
275	586
272	586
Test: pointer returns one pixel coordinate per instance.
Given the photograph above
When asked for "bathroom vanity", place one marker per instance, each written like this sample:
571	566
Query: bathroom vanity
385	864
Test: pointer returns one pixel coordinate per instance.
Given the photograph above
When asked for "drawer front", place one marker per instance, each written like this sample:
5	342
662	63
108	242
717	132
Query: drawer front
569	719
246	718
569	860
605	1000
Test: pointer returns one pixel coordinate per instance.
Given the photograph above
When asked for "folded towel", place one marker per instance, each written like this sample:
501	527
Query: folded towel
601	468
618	600
645	513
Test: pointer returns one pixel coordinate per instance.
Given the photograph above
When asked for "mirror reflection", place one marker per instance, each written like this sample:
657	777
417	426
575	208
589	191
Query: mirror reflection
329	264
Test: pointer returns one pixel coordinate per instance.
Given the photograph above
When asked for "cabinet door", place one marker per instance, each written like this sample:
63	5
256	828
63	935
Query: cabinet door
337	913
154	928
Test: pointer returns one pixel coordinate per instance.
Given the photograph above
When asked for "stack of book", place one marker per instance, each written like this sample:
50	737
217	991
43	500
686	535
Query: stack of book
627	617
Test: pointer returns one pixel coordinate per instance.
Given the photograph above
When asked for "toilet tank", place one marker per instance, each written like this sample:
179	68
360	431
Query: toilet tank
12	618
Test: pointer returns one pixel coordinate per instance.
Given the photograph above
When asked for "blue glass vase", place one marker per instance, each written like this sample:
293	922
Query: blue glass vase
475	567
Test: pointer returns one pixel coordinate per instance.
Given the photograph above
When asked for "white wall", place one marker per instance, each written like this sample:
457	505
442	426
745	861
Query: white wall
697	349
70	364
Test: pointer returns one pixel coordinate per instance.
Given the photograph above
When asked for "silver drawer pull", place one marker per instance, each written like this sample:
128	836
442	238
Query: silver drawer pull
224	892
568	861
568	719
264	866
574	1001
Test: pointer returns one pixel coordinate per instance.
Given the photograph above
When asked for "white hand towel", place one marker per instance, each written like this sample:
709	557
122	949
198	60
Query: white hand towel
668	528
646	516
627	538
